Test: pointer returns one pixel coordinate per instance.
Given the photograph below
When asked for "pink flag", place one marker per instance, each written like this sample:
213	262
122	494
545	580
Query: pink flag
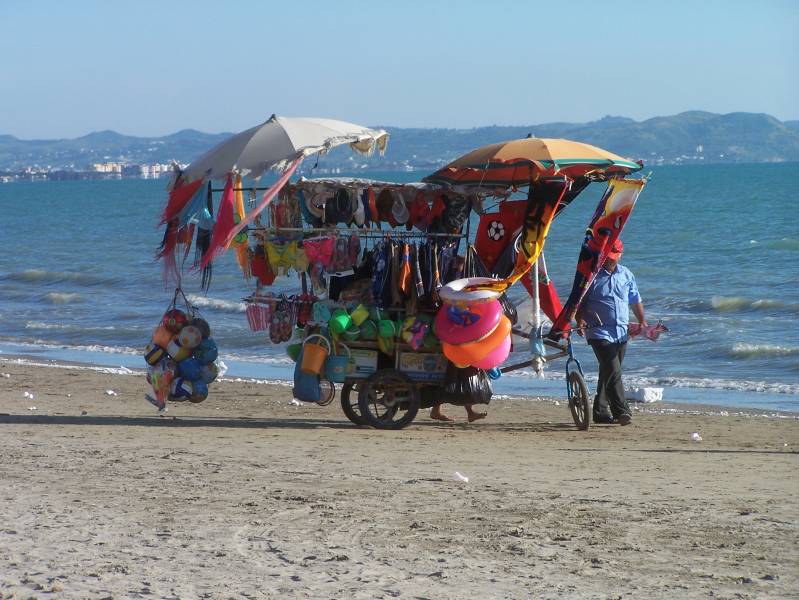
265	200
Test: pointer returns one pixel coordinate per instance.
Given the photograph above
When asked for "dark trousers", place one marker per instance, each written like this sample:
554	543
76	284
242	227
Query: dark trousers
609	399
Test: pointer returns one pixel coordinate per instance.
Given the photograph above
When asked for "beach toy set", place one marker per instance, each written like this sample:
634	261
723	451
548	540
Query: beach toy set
181	356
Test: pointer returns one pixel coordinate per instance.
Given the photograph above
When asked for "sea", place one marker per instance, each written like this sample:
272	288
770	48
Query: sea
714	248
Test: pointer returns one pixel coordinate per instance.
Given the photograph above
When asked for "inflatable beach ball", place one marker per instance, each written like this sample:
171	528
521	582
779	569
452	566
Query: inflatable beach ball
162	336
176	351
181	389
153	353
202	325
209	373
190	337
200	392
174	320
206	352
190	369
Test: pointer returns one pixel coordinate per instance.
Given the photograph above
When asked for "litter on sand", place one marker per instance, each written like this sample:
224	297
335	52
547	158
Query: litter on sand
696	437
462	478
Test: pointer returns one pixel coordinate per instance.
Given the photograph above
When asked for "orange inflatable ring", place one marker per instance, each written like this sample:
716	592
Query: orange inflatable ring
463	355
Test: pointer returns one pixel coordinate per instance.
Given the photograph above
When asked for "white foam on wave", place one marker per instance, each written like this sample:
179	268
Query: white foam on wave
745	350
217	303
62	298
38	345
631	381
65	326
98	369
738	303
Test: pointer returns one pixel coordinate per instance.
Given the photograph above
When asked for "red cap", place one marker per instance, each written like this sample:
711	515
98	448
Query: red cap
616	250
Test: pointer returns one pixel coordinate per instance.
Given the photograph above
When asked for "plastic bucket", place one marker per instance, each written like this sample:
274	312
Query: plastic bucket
340	321
314	355
360	314
338	365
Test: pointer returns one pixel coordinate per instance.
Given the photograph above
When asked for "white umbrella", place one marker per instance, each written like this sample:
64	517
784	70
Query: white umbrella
278	141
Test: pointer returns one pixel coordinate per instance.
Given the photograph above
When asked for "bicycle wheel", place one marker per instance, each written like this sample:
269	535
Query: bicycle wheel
349	403
578	400
327	391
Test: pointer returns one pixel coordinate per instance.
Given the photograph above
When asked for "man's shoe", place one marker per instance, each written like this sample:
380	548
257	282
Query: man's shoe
604	420
625	420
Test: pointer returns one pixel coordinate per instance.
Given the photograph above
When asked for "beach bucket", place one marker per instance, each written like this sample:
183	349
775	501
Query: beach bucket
314	355
369	330
339	322
337	366
352	333
360	314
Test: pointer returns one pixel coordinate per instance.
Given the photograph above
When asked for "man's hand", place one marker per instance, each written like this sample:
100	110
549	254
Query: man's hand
581	325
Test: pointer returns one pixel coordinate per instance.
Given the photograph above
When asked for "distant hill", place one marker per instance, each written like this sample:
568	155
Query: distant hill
694	136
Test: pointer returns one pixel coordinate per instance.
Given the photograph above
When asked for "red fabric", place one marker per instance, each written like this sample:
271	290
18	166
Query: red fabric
178	198
437	209
511	217
223	226
547	297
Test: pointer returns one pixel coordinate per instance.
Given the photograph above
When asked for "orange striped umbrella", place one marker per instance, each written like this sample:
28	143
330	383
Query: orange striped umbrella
514	163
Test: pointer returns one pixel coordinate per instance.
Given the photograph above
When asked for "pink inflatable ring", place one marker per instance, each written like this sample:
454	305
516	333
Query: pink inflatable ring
461	326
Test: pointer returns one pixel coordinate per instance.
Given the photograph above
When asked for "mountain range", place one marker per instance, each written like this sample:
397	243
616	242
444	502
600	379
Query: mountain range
694	136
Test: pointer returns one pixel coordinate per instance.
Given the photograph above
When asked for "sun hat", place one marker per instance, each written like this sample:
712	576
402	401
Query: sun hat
616	250
385	204
419	211
399	211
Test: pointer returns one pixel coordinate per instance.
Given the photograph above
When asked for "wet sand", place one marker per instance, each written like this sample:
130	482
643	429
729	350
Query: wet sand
249	496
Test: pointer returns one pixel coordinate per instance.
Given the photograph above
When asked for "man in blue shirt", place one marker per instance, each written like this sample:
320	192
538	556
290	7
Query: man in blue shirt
605	311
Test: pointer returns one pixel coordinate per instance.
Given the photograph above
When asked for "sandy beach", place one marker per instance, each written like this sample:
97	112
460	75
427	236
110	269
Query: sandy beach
249	496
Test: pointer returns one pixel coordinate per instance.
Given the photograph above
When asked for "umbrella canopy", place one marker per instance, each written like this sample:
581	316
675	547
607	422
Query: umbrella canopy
513	163
277	142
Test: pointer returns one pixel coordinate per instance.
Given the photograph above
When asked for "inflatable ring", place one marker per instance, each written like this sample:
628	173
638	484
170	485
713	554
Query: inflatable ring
453	293
494	358
488	315
468	354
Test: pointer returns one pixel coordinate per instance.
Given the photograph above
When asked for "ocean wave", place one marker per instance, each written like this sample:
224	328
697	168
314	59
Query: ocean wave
633	380
739	304
745	350
784	244
65	327
217	304
44	276
62	298
38	345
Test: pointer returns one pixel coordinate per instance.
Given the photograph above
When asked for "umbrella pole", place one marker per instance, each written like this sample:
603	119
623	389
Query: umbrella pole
536	347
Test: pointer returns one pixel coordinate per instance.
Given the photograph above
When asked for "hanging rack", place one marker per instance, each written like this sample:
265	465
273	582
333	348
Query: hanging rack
368	233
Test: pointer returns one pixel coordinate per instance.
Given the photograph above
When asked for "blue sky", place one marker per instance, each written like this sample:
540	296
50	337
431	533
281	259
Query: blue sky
152	68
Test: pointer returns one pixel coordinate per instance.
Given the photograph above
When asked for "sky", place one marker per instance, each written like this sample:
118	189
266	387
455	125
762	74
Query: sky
150	68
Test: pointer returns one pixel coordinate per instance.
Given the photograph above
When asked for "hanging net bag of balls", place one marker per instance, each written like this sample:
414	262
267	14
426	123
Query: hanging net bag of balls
181	356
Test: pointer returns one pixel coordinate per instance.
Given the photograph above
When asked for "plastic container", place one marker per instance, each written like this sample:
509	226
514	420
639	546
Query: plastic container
314	355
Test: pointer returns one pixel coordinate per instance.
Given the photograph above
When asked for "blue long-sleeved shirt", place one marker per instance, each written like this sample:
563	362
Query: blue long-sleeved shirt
609	298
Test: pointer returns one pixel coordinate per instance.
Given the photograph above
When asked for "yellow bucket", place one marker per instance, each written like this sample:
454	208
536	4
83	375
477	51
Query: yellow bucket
314	355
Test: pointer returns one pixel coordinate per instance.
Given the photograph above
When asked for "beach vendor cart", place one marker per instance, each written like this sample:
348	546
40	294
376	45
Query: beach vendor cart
375	261
401	288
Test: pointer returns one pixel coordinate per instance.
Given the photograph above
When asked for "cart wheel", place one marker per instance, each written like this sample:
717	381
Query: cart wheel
389	400
578	400
327	391
349	403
